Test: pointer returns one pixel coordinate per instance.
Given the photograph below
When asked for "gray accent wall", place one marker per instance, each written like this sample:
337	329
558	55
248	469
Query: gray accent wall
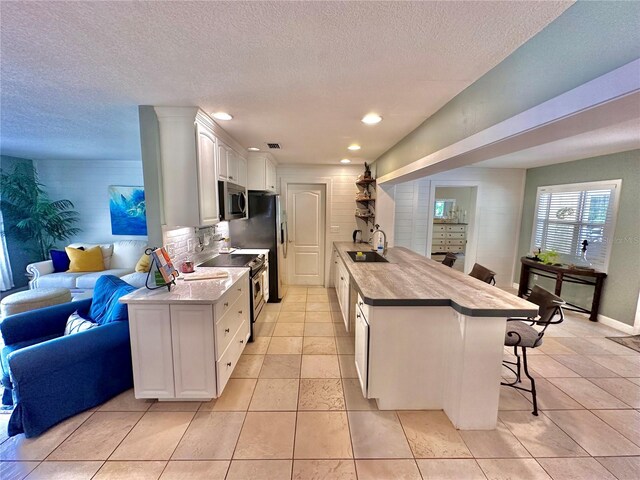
588	40
622	286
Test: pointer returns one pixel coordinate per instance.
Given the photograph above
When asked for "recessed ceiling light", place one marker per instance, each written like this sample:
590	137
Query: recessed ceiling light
371	118
221	116
354	147
253	149
345	160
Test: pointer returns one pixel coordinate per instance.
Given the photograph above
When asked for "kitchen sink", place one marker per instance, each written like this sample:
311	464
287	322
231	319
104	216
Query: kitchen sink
368	257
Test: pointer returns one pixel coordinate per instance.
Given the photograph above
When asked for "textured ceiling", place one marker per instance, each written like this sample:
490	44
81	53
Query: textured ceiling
299	73
603	141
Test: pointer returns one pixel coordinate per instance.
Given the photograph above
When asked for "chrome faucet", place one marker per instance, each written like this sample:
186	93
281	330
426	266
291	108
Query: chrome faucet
385	244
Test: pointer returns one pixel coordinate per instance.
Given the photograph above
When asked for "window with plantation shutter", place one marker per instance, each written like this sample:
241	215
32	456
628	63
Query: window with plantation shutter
567	215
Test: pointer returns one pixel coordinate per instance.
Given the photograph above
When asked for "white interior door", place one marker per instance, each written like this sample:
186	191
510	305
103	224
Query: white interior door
306	216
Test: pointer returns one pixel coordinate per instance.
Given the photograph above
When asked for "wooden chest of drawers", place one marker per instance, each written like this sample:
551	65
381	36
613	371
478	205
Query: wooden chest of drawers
449	237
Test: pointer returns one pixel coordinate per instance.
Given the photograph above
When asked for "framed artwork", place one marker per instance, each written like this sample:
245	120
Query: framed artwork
128	210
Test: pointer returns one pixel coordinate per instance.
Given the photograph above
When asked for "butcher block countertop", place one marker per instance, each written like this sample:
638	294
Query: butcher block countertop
410	279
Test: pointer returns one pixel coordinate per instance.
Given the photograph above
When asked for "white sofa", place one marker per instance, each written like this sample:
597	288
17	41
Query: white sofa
119	258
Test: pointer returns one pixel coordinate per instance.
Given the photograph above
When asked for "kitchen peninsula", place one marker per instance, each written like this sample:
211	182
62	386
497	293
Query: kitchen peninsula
186	342
426	336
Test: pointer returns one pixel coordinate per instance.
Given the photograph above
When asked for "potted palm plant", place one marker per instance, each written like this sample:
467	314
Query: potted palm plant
34	218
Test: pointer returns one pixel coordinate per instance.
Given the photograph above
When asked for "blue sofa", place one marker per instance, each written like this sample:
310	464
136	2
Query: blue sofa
49	376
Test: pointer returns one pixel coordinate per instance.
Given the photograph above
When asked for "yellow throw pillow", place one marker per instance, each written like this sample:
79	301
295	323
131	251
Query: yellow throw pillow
85	260
143	264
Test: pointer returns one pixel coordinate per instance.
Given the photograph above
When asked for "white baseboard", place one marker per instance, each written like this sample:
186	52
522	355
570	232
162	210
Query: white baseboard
618	325
610	322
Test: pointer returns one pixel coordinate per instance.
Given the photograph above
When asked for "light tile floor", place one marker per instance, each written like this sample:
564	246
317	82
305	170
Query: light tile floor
293	410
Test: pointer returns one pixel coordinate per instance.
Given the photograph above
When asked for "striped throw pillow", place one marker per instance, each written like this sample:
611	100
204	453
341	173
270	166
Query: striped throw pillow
76	324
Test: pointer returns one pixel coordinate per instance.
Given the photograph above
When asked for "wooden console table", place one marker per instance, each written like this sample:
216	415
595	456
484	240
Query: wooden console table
564	274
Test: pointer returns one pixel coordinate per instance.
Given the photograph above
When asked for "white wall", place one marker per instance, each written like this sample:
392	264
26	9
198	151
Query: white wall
85	183
500	193
341	203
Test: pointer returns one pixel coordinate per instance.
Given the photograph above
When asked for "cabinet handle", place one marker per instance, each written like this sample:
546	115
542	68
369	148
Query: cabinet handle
239	289
341	278
357	315
226	330
228	364
241	341
360	303
240	312
335	263
231	178
226	304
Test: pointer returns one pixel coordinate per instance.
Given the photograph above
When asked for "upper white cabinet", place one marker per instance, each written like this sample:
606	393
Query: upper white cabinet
194	154
232	167
262	172
223	161
242	171
188	164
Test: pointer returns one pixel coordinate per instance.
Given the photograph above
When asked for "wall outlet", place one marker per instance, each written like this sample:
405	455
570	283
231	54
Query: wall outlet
334	229
190	243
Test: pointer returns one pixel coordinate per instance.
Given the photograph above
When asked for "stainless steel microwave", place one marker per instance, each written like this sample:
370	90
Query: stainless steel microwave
232	201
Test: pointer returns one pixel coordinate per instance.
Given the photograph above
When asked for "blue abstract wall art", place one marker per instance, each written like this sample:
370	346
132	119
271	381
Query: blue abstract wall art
128	210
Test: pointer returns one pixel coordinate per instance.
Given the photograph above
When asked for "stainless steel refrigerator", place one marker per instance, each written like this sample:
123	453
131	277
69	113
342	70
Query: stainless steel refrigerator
266	227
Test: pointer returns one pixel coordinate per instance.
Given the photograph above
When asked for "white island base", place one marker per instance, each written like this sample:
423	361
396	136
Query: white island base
431	358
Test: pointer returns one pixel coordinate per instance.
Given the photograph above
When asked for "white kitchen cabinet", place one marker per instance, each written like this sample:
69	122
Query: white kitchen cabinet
242	171
232	166
150	331
343	287
193	349
362	349
270	176
223	161
261	172
207	181
187	351
188	167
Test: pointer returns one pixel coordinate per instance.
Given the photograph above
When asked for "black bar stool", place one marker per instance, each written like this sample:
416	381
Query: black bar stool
520	333
449	259
483	273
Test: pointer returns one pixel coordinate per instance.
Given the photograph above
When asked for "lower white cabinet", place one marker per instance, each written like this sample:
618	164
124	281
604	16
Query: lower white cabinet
342	286
362	348
188	351
191	332
150	331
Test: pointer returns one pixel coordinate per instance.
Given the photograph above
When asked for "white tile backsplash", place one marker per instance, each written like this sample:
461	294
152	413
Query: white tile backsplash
184	243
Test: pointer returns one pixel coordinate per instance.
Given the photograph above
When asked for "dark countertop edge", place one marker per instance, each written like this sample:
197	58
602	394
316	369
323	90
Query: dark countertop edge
477	312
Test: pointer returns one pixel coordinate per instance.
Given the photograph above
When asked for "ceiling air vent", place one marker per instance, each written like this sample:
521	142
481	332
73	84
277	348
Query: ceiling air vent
273	145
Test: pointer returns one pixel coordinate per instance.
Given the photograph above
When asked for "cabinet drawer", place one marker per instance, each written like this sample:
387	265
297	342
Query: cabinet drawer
439	228
456	234
364	308
229	359
228	325
439	235
455	248
456	228
455	241
229	298
439	241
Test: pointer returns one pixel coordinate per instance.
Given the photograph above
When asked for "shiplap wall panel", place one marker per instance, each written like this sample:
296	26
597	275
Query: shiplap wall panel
500	192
